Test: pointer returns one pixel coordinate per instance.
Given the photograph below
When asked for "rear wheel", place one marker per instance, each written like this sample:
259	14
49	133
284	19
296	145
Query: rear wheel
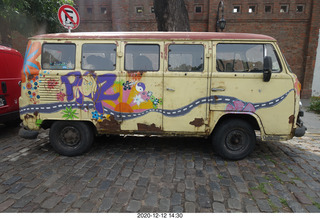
234	139
71	138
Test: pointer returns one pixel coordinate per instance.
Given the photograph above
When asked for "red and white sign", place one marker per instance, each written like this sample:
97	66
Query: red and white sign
68	17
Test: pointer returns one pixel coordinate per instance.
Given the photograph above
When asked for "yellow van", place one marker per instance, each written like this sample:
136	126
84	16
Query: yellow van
222	85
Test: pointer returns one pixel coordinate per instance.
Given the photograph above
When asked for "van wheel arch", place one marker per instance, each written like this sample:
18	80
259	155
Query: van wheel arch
248	118
234	137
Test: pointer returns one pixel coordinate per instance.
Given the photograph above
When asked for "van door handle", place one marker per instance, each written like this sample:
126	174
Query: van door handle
170	89
217	89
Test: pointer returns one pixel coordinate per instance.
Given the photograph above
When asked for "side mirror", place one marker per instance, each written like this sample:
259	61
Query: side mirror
267	68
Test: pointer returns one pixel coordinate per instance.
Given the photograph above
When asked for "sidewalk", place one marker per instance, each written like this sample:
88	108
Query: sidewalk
311	120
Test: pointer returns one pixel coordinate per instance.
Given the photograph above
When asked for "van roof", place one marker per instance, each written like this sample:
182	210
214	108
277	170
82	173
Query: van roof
156	35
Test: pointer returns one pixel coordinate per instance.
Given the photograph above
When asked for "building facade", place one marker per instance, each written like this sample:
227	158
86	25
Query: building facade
294	23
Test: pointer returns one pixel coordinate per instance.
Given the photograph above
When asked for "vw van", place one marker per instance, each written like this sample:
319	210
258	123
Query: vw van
225	86
11	62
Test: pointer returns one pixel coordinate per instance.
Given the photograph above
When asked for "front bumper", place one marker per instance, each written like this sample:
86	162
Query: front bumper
301	129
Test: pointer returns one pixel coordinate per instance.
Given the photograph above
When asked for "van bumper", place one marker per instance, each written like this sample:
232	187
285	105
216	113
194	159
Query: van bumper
27	133
301	129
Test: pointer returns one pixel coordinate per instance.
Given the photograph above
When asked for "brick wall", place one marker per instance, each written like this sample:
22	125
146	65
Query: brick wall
297	32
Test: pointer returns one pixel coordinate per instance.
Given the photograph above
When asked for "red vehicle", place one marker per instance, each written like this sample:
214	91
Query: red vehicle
11	62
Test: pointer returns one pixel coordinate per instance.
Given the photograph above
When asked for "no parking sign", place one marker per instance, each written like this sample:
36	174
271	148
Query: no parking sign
69	17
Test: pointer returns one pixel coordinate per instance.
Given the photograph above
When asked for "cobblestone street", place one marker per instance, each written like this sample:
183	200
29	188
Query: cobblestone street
158	175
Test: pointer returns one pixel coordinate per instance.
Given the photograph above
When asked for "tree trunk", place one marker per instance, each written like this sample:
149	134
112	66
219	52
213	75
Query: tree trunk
171	15
6	39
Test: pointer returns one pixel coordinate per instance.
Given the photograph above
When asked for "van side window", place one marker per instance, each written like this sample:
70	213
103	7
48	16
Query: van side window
98	56
186	58
245	57
142	57
58	56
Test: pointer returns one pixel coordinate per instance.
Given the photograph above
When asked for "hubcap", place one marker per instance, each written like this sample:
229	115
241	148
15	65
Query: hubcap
236	140
70	136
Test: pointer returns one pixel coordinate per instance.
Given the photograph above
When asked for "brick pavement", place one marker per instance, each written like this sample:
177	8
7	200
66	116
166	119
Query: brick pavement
158	175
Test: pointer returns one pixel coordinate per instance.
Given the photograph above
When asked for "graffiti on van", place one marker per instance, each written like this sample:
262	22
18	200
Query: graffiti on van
105	96
104	92
30	71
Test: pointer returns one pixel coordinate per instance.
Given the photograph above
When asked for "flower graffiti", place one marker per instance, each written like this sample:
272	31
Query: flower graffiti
61	96
240	106
69	113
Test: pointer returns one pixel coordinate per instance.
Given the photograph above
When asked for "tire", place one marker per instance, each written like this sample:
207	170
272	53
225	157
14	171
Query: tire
71	138
234	139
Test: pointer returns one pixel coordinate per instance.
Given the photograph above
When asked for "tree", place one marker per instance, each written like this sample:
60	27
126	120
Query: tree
29	17
171	15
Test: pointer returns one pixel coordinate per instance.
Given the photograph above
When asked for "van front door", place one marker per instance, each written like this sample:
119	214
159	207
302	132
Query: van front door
185	88
237	85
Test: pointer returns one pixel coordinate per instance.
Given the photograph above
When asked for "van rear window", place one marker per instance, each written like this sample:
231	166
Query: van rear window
98	56
58	56
186	58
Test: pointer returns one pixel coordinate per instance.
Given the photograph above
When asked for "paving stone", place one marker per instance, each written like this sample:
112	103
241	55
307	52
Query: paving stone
69	198
296	207
189	184
129	185
164	205
312	209
134	206
177	209
264	205
233	193
87	207
104	185
218	207
202	191
16	188
51	202
165	192
204	202
217	196
123	197
176	199
234	204
181	187
252	209
190	207
106	204
6	204
151	200
12	180
143	182
302	198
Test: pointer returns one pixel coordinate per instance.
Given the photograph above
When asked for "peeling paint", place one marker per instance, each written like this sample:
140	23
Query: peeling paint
197	122
28	116
109	124
148	128
291	119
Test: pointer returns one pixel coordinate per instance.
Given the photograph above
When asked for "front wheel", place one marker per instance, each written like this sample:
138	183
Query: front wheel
234	139
71	138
